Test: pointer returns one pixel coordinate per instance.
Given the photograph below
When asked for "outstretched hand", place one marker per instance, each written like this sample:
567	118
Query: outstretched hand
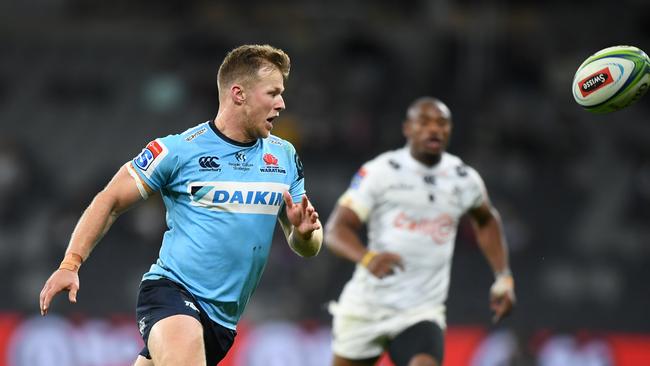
60	280
502	297
302	216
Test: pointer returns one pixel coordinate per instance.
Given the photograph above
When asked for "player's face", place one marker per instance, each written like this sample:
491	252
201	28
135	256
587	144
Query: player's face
427	129
264	103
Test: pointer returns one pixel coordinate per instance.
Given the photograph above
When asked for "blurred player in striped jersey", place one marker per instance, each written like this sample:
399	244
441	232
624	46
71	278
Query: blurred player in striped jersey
411	200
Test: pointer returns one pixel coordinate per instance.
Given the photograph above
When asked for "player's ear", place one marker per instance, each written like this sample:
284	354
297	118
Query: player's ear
406	129
237	94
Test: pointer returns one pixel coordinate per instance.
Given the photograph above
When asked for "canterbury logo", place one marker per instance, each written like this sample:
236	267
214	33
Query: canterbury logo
209	162
191	305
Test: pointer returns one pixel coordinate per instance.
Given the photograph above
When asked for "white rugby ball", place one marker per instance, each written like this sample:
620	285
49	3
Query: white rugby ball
612	79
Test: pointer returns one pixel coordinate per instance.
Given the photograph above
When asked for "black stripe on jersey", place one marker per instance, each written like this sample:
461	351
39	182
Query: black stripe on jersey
227	139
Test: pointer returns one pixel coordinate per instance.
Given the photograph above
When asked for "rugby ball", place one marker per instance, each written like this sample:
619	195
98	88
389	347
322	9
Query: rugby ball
612	79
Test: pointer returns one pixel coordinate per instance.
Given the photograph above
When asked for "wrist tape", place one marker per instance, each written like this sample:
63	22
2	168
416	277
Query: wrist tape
71	262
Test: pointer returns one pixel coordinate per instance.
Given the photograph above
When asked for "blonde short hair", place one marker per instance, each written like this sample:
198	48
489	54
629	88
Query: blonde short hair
242	64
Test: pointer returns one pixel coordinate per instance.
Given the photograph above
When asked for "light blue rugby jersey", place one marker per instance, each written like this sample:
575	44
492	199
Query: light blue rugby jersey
222	198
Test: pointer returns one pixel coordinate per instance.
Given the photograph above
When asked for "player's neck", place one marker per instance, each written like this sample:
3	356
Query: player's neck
230	129
427	159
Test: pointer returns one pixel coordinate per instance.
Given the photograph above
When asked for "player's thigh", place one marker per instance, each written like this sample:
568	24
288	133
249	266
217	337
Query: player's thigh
142	361
340	361
177	340
358	339
424	340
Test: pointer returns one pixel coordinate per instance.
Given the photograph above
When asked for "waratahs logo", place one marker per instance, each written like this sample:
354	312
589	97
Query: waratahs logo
269	159
271	165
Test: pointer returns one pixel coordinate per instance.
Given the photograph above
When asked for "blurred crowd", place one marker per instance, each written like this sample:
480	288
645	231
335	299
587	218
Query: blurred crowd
84	85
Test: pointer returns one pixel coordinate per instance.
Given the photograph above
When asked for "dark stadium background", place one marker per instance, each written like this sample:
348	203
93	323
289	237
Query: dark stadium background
85	84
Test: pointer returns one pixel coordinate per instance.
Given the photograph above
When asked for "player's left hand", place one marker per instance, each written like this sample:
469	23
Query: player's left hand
502	297
302	216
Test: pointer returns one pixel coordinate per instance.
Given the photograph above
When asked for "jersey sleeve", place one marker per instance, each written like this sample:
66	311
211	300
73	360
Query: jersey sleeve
475	194
156	164
363	191
297	187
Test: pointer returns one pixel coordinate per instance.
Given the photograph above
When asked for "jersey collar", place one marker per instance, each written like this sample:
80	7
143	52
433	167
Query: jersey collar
228	139
412	163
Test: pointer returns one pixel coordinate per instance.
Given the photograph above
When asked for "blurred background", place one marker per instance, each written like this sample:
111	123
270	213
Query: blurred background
85	84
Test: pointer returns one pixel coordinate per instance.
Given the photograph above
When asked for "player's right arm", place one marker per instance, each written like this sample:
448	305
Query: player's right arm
342	238
123	191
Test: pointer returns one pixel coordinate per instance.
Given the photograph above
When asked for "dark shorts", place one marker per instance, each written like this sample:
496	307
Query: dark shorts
159	299
423	337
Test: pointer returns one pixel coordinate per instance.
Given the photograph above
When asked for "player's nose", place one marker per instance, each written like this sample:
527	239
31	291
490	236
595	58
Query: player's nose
433	129
279	105
438	127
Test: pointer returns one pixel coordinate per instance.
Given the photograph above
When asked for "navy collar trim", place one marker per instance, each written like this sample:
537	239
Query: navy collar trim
227	139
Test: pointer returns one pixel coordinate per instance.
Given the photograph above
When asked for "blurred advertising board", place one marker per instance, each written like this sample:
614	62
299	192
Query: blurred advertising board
115	341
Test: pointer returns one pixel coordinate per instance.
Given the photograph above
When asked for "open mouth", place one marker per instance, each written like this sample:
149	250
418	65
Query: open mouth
270	119
433	142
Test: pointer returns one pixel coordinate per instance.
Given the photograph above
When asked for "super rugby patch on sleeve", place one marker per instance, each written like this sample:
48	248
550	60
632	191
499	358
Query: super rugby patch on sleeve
150	157
358	177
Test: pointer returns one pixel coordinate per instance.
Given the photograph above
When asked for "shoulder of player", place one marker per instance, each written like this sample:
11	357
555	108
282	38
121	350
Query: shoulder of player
180	142
457	167
194	133
284	151
278	145
385	162
277	141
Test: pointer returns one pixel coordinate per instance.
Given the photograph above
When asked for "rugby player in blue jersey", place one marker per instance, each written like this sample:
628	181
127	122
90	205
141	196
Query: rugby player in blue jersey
224	183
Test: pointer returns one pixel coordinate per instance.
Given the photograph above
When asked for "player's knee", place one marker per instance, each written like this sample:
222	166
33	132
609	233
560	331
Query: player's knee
423	359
